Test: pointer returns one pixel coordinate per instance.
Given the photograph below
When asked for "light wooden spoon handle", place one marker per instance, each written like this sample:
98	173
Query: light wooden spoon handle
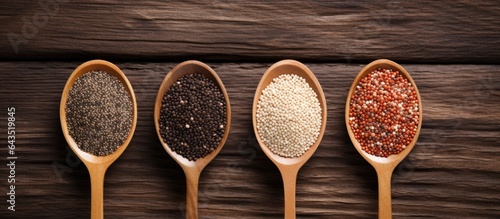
97	186
192	180
289	184
384	194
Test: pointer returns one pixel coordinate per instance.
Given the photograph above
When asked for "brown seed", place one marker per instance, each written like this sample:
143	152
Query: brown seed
98	113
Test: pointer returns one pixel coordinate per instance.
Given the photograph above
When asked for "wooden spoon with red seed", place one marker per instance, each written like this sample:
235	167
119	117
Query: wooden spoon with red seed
383	166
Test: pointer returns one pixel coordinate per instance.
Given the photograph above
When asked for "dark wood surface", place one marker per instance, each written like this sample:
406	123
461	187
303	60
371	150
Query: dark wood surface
452	172
462	31
449	48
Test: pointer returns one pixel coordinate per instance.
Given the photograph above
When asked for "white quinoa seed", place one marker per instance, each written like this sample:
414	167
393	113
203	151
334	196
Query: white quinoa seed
288	116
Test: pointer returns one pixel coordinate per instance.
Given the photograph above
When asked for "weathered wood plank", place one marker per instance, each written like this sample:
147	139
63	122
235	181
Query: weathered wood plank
219	30
453	171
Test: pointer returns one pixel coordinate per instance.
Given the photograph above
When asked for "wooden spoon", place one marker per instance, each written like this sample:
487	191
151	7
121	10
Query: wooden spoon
192	169
289	167
97	165
383	166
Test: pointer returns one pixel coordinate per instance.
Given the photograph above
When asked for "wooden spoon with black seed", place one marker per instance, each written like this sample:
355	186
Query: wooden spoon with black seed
194	164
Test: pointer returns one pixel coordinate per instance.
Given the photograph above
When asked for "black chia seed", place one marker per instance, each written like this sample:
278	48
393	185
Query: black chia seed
193	116
98	113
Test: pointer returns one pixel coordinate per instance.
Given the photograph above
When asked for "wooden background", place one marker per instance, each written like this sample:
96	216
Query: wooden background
451	49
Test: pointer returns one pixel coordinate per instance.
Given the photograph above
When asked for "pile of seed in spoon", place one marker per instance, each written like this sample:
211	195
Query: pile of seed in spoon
384	113
193	116
288	116
98	113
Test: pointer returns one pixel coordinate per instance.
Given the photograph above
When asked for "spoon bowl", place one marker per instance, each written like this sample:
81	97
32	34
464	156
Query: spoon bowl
192	169
383	166
289	167
97	165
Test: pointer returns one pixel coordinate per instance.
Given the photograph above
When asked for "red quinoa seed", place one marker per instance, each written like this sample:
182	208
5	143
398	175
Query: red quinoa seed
384	113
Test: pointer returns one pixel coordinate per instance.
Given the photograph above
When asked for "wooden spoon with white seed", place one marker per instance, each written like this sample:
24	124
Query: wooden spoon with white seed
289	167
97	165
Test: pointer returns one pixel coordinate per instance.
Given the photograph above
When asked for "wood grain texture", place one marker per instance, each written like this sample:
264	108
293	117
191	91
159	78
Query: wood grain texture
428	31
453	171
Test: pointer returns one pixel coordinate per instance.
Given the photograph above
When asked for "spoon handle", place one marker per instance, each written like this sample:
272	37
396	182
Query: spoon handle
289	176
384	194
97	184
192	179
